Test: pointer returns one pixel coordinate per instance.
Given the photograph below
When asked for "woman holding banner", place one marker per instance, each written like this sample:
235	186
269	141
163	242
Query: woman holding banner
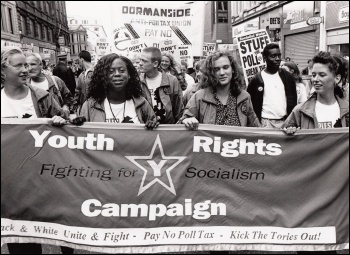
21	100
115	95
170	66
326	107
223	100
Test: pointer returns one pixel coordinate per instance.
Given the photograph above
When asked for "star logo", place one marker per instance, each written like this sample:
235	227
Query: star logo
156	167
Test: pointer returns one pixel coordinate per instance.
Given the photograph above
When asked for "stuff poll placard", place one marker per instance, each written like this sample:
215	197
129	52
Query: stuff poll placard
118	188
251	45
138	24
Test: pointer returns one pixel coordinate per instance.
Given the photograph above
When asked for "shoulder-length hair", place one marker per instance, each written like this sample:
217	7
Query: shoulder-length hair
100	80
174	66
236	83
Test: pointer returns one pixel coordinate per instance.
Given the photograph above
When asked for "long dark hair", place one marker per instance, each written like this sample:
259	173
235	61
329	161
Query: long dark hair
296	71
236	83
335	65
100	79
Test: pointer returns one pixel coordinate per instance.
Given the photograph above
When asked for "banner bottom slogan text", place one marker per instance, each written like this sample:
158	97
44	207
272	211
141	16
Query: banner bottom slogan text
167	235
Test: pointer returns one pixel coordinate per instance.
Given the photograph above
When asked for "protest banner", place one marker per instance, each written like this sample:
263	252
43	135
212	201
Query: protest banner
138	24
251	45
119	189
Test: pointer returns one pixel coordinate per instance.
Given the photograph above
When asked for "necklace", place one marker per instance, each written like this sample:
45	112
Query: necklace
110	107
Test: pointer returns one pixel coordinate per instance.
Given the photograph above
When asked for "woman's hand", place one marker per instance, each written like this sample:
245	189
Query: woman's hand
191	123
290	130
58	121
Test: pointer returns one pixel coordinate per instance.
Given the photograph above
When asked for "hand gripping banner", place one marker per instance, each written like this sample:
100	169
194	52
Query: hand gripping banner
120	189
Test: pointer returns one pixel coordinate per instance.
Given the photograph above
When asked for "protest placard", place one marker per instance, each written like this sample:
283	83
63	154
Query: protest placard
251	45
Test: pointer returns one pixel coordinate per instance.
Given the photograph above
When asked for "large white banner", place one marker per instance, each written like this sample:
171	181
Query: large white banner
176	28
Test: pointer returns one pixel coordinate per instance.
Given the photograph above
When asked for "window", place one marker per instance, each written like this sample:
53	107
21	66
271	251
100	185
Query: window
222	6
221	12
10	21
44	33
50	37
44	7
31	26
23	25
39	5
3	18
40	36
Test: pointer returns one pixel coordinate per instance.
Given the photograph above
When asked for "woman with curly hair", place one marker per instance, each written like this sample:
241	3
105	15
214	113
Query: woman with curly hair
170	66
326	108
115	95
223	100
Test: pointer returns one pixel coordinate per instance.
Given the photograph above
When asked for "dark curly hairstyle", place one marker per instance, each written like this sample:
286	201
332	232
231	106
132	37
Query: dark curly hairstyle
100	79
210	80
336	65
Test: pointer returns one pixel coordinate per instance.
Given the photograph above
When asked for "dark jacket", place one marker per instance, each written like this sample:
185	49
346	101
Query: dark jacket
304	116
67	75
170	94
256	90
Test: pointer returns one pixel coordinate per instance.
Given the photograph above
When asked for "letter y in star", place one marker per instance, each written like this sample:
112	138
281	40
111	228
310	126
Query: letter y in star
159	166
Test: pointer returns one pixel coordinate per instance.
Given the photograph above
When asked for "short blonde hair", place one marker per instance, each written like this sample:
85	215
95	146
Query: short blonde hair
6	52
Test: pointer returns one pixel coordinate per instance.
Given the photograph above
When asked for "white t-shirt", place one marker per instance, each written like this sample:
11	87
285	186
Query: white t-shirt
121	112
275	103
153	84
327	115
41	85
22	108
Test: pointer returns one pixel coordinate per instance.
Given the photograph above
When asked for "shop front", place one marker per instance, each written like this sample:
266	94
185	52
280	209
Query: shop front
5	43
300	41
337	27
272	22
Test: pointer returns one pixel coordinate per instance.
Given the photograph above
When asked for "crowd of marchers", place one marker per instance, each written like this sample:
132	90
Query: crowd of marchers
153	88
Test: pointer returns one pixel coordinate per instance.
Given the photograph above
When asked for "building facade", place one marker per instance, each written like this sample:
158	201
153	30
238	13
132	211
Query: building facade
337	27
10	35
286	23
78	41
42	28
217	24
95	41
